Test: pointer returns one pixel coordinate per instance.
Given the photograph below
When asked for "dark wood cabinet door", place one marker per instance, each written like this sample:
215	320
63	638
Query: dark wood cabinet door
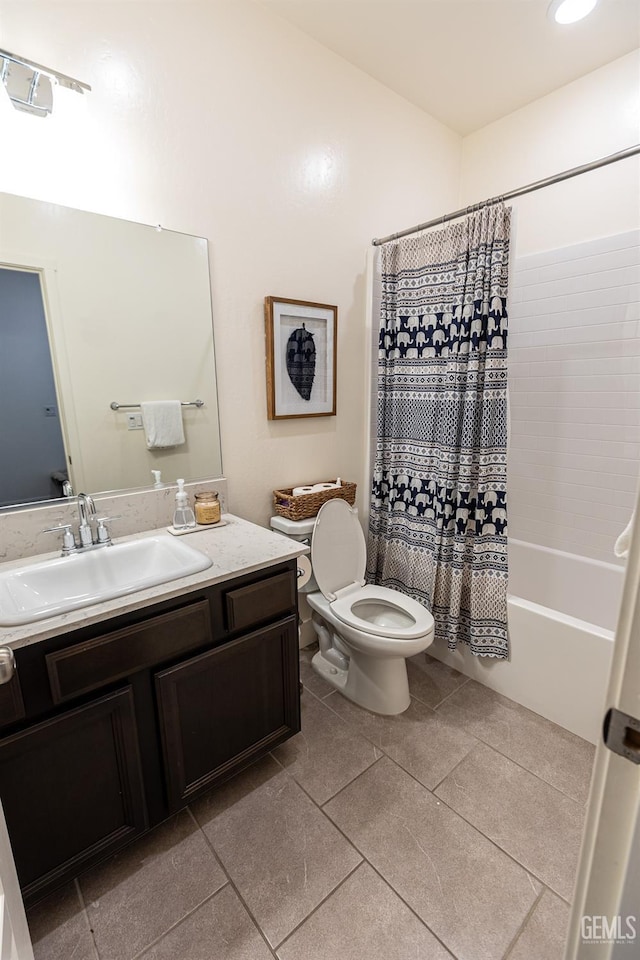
71	789
220	710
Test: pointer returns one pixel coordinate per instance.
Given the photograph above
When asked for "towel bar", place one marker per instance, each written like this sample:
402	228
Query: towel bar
130	406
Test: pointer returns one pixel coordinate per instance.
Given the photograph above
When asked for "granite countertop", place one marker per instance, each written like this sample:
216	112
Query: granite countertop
236	548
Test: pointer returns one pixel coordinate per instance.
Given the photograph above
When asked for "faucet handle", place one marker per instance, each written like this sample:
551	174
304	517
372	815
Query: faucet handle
102	533
7	664
68	542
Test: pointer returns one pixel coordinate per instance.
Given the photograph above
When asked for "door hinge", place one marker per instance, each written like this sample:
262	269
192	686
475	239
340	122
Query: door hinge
622	734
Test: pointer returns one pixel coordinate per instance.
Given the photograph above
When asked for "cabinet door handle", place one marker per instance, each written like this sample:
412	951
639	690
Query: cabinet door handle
7	664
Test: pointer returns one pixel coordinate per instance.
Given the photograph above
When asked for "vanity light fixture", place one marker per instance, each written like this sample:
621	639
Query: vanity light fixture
570	11
30	85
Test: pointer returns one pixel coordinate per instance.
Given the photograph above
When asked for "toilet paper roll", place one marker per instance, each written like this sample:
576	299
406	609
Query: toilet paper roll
304	571
298	491
324	486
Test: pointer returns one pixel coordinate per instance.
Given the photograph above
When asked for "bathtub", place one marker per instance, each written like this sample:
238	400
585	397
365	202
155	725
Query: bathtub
562	612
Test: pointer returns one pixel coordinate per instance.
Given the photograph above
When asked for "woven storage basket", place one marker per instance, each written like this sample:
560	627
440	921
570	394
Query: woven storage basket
308	504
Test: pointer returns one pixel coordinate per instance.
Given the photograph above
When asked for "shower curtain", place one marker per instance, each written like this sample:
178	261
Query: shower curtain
438	519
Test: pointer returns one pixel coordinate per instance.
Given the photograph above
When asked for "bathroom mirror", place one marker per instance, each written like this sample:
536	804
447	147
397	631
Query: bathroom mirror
94	311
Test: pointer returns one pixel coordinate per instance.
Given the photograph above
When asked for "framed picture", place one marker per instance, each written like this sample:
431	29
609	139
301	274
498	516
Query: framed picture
301	358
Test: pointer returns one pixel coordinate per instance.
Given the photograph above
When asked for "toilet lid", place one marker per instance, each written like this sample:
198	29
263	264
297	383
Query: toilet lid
338	548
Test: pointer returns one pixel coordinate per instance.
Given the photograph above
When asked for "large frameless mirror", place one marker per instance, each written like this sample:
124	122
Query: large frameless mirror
96	312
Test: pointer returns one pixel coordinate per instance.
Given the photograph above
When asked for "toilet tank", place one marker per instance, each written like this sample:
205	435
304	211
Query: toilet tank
302	531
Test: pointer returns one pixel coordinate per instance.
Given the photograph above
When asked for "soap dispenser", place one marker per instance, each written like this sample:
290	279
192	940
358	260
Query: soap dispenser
183	517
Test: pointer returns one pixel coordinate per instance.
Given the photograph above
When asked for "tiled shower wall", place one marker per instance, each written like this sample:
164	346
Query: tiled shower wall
574	386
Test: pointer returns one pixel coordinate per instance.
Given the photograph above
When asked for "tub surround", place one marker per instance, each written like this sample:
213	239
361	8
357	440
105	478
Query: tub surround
21	530
237	548
573	346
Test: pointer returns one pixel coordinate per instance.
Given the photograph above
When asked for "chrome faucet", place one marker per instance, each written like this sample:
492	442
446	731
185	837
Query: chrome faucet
87	512
86	539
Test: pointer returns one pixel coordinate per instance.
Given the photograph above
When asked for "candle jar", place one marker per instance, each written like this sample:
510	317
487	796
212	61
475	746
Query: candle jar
207	507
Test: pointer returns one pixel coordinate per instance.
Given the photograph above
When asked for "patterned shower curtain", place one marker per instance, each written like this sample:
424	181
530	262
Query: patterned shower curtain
438	522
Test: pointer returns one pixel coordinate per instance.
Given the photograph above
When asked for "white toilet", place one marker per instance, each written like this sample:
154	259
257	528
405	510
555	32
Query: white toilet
365	632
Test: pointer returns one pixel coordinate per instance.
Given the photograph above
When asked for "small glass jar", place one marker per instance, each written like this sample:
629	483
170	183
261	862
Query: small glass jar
207	507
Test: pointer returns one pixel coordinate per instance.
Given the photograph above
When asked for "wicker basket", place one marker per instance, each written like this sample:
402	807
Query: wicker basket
307	504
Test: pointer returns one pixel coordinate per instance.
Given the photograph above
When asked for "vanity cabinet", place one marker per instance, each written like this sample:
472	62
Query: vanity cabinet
107	730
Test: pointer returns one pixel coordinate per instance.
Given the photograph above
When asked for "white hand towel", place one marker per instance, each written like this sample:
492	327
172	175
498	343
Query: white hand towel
162	420
621	548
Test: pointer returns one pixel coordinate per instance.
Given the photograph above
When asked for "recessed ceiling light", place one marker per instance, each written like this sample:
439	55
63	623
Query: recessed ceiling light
570	11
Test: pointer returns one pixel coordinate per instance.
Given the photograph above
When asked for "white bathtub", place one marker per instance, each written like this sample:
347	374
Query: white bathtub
562	618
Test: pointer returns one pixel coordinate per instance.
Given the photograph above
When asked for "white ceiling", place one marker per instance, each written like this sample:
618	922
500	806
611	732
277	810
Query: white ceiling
466	62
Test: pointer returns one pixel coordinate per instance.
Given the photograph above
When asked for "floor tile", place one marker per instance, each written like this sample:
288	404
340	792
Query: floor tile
545	932
431	681
221	928
59	928
469	893
551	752
280	850
136	896
538	826
424	744
363	918
327	753
311	680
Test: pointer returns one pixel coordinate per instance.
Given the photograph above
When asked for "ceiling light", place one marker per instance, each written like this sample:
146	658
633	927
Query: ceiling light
570	11
29	84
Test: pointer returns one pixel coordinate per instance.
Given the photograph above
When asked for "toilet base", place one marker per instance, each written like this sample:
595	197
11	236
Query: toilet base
377	684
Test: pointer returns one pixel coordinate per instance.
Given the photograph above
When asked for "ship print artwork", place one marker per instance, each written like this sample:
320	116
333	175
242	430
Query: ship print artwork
301	361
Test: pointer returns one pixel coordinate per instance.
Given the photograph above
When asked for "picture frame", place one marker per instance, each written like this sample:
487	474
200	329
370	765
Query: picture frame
301	339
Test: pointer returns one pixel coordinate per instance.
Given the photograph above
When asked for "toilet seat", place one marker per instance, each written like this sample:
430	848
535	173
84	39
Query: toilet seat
377	601
338	557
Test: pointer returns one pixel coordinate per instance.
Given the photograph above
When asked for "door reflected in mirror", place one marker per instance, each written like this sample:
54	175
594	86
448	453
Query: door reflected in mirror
33	454
95	310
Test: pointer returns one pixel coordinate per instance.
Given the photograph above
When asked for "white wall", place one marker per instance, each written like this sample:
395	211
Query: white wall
590	118
220	120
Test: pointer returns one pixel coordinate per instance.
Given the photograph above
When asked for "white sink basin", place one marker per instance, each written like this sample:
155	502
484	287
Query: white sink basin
57	586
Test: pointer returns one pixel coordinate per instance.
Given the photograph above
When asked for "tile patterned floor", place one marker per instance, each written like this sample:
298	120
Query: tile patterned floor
451	831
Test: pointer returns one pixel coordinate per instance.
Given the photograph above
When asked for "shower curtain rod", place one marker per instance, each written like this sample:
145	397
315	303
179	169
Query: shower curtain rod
537	185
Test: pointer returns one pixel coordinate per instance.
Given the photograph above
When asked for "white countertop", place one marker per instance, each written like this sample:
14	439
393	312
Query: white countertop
236	548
